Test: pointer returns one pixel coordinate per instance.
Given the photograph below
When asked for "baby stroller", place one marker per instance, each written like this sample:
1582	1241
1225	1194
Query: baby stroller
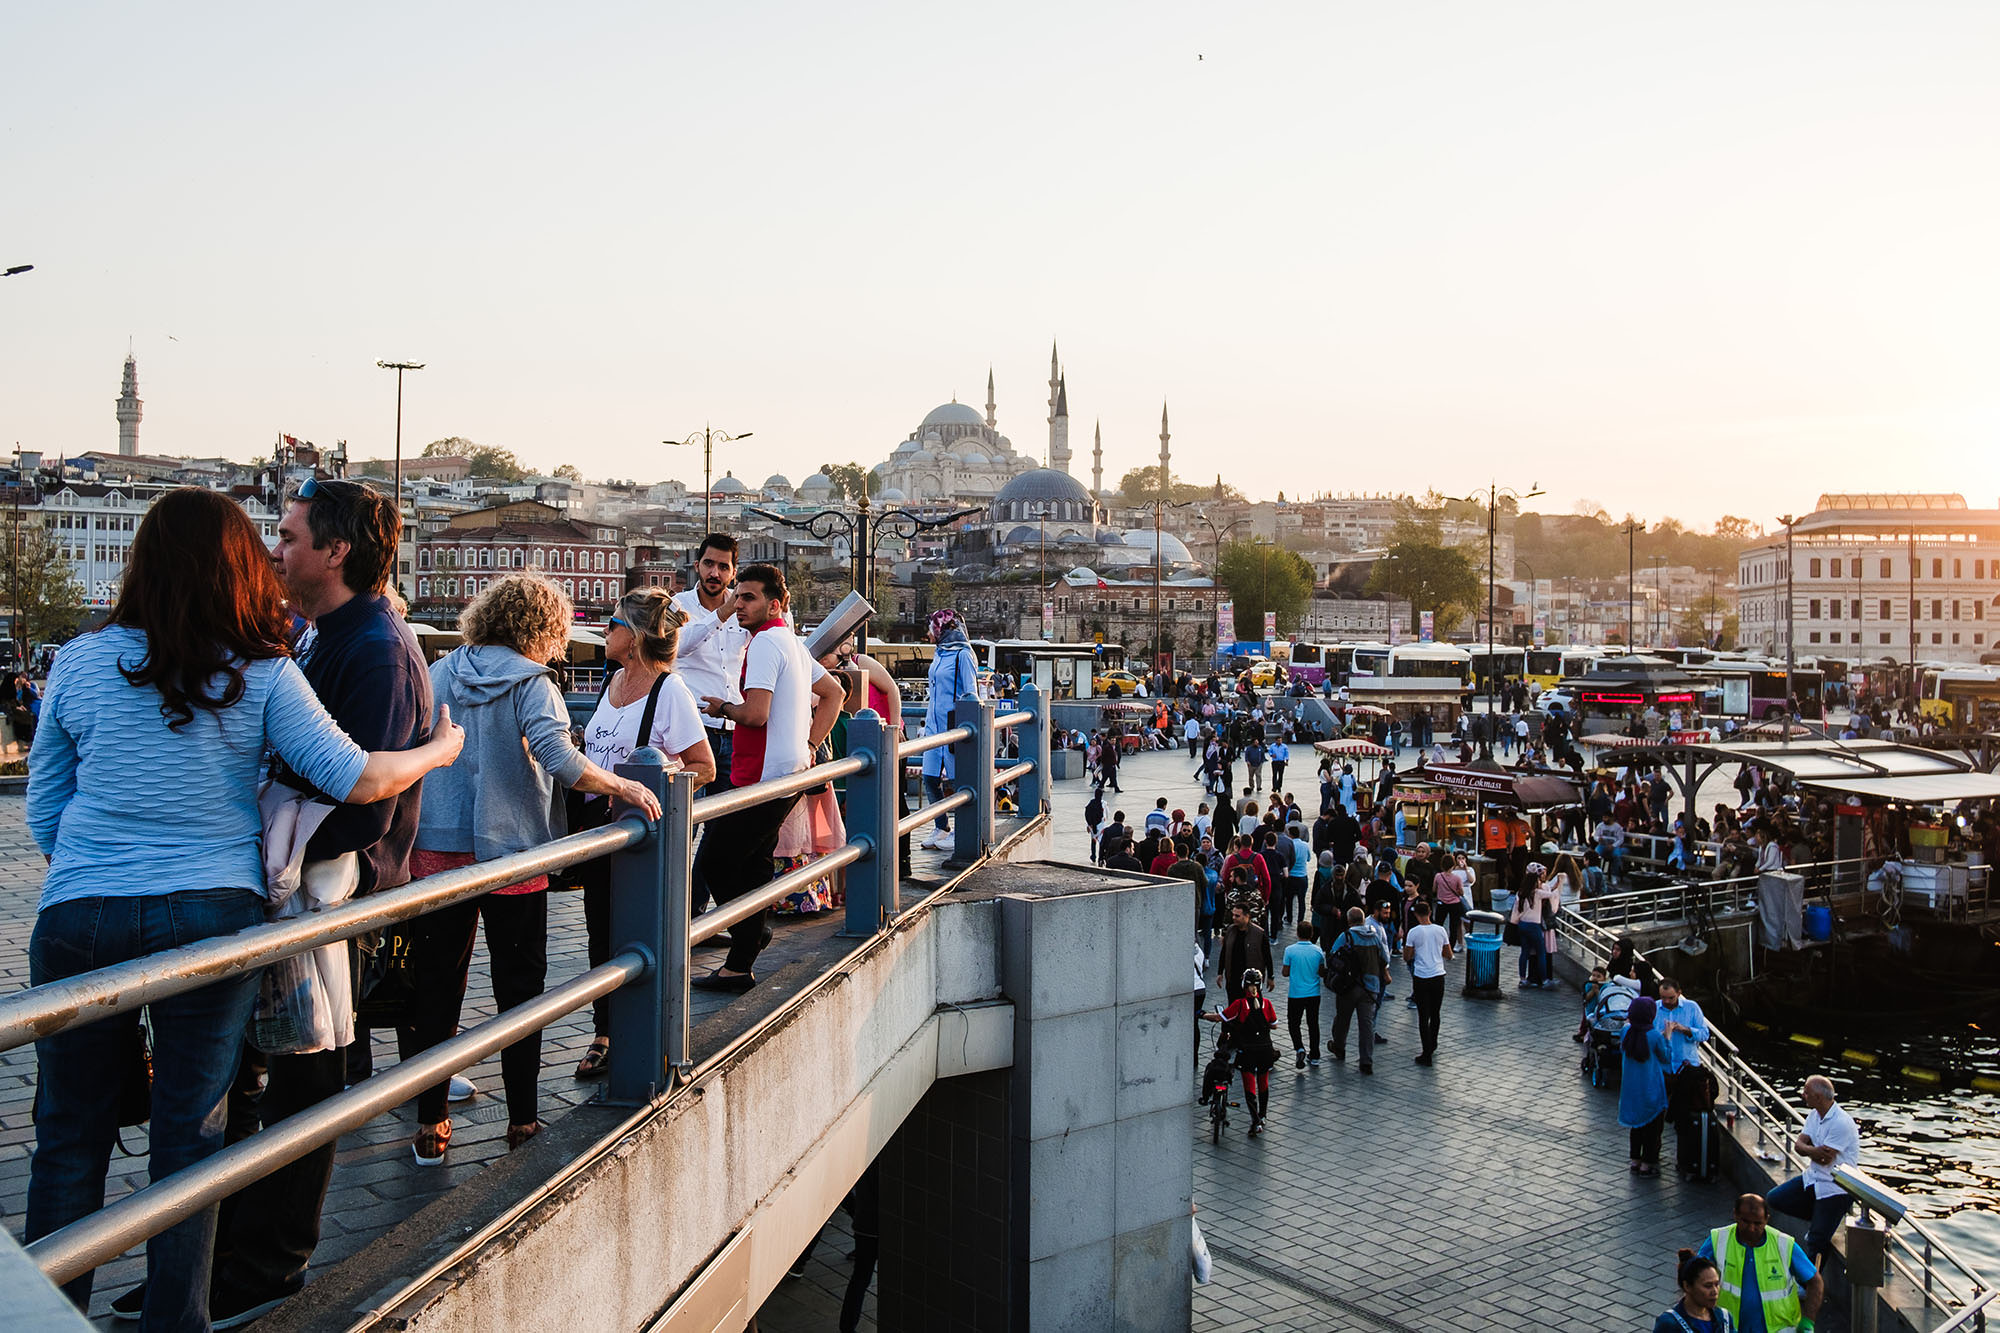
1216	1080
1607	1015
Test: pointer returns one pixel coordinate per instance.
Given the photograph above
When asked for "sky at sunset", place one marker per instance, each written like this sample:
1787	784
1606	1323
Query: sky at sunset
1688	259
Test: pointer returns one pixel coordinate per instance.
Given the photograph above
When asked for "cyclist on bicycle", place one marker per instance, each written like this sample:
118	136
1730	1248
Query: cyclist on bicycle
1251	1019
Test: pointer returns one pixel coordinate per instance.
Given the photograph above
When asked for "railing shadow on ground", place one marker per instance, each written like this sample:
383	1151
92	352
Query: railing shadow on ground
647	977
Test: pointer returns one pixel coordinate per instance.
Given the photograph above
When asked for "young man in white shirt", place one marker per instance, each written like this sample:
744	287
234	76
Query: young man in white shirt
1427	948
788	705
1829	1139
709	659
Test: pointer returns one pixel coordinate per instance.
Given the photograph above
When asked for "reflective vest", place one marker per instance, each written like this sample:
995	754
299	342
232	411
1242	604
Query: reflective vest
1776	1290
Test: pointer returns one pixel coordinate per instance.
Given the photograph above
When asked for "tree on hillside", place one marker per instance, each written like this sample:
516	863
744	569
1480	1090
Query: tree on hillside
487	461
569	472
1260	576
1142	485
1420	569
851	480
1731	528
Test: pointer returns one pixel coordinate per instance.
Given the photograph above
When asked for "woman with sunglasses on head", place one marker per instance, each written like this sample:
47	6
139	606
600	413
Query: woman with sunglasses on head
641	696
142	792
517	739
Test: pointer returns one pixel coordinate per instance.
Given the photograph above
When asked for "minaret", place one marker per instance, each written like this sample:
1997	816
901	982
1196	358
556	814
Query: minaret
1059	433
1166	474
1097	464
992	419
130	409
1055	379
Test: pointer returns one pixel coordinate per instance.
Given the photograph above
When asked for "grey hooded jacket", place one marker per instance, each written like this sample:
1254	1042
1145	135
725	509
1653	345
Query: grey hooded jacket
498	797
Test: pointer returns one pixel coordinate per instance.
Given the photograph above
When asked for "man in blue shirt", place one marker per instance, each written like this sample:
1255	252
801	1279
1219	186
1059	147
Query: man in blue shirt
1689	1092
1303	961
1740	1250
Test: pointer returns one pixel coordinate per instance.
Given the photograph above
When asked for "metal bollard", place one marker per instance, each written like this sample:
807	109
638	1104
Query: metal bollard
1032	792
1867	1265
873	884
649	911
972	770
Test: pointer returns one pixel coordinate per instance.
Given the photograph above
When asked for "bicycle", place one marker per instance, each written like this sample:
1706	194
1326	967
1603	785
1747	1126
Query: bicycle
1216	1081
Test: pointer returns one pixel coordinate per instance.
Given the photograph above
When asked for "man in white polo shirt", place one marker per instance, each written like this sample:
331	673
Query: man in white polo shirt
1829	1139
788	704
709	660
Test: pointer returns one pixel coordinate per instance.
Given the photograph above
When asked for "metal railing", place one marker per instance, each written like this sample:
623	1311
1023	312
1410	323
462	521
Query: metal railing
647	977
1947	1281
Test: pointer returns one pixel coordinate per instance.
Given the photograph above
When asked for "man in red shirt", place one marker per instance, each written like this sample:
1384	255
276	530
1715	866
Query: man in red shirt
1242	853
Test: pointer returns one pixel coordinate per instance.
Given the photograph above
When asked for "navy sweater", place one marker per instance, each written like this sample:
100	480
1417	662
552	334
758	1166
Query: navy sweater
363	662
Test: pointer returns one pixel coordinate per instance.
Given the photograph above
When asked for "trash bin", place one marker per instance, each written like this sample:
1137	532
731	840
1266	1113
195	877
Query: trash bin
1482	952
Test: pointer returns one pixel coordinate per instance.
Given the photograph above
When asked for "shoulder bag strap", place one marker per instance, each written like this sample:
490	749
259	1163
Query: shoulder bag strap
652	707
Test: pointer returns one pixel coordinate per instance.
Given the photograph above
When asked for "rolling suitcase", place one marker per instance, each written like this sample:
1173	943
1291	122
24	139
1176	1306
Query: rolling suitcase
1701	1147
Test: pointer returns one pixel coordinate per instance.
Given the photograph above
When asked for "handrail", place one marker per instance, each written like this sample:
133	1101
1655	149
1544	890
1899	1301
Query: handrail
646	980
1776	1120
44	1010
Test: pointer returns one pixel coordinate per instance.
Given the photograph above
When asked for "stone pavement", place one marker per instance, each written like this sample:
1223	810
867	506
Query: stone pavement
1487	1192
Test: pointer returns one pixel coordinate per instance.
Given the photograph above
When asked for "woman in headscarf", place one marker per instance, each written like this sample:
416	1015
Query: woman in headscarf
1642	1093
954	675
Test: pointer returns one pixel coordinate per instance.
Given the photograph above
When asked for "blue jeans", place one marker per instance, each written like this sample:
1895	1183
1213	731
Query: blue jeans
1795	1198
1534	953
196	1039
936	788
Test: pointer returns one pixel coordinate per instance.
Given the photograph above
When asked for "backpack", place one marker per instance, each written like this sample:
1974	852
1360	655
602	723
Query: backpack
1344	969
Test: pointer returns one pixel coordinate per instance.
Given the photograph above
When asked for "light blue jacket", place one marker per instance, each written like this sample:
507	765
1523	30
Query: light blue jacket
954	675
500	795
1642	1092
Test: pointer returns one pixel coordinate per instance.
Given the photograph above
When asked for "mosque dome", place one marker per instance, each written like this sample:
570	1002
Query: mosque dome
1173	550
729	485
973	458
1043	483
892	494
777	481
817	484
954	414
1022	535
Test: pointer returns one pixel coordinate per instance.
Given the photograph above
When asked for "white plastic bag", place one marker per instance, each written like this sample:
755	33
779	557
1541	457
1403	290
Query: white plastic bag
306	1003
1204	1268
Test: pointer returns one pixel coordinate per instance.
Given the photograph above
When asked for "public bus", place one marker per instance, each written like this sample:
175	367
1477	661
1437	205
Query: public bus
909	663
1753	689
1367	659
1961	698
1430	661
1052	665
1506	661
1308	662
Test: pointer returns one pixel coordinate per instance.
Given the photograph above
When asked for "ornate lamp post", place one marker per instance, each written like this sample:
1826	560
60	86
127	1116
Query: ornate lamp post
706	438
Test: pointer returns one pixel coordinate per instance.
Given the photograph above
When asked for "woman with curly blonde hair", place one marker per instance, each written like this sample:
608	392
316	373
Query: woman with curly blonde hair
517	750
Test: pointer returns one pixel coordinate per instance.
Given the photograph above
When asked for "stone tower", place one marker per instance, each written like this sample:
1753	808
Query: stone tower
992	417
1166	472
130	409
1097	464
1059	433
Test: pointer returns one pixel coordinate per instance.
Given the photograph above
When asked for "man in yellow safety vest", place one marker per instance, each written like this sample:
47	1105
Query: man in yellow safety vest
1769	1285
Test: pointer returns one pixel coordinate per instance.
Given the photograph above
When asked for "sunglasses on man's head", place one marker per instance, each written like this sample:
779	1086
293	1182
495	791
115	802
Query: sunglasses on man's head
313	486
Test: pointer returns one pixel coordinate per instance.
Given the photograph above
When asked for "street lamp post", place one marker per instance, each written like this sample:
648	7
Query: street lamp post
1659	625
399	367
863	529
706	437
1534	597
16	270
1493	494
1790	521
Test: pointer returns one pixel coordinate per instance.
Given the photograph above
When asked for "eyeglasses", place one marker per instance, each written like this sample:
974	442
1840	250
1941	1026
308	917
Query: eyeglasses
622	624
313	486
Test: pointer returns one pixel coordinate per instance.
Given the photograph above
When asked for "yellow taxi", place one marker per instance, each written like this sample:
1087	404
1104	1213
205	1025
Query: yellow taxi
1117	684
1263	673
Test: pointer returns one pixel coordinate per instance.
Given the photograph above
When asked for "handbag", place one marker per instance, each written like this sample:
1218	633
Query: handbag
582	811
135	1096
1510	933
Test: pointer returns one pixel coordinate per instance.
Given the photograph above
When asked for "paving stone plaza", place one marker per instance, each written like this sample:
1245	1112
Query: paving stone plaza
1487	1192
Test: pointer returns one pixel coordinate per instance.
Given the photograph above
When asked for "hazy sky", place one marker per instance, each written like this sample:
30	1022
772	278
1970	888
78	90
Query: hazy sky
1692	258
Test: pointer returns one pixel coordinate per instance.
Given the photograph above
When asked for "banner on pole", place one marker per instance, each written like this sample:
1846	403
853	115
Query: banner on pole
1426	626
1270	626
1048	620
1225	624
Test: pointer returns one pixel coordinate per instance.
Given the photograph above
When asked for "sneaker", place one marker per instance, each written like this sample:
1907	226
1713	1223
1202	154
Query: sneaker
1368	1069
130	1304
1314	1062
1424	1060
229	1308
1299	1062
462	1089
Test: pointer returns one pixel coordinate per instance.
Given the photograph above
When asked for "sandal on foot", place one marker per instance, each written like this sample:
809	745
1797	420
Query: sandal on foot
596	1061
520	1134
430	1144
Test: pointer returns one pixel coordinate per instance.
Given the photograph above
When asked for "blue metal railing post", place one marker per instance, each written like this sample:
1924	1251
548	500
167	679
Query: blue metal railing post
648	913
872	885
972	770
1032	792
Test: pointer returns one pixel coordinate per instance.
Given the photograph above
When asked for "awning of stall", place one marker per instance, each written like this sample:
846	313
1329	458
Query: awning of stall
1354	746
1530	791
1915	788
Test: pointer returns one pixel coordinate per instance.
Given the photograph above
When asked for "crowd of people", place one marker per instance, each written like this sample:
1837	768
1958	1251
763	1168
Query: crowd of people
231	747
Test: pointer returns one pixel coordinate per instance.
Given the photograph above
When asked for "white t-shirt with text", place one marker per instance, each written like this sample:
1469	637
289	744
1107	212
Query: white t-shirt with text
612	733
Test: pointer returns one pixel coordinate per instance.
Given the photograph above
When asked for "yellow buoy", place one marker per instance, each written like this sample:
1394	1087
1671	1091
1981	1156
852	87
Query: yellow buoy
1986	1083
1866	1059
1921	1075
1807	1039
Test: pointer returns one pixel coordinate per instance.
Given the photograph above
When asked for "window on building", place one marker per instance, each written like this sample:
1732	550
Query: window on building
569	589
423	588
611	562
424	558
1857	612
1937	608
1885	636
451	587
486	558
1812	609
1937	567
1813	637
569	559
1979	569
597	560
1885	569
1954	636
1936	637
1957	568
1812	568
1833	568
1885	608
1978	639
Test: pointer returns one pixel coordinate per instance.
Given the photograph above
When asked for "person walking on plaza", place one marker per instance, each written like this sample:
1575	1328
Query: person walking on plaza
709	655
1427	948
336	550
143	795
1244	943
1251	1019
1642	1092
1357	970
1303	963
1769	1283
789	705
1254	755
644	703
1280	754
1696	1311
1682	1023
954	675
1828	1139
502	800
